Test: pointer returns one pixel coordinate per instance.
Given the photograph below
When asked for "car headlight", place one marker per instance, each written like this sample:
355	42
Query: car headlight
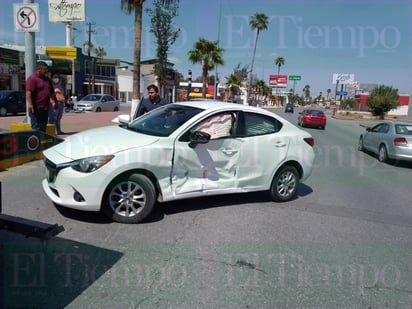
88	165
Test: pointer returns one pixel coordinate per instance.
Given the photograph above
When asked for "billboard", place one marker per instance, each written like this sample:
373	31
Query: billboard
67	11
343	79
278	80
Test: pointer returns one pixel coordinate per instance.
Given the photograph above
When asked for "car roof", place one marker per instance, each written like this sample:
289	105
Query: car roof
216	105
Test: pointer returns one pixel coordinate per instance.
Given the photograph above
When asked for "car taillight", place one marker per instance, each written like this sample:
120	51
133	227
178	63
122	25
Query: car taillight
400	141
310	141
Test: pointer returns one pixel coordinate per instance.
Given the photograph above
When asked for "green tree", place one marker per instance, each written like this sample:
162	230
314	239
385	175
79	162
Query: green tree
258	22
279	61
349	103
241	73
163	29
208	53
136	7
382	99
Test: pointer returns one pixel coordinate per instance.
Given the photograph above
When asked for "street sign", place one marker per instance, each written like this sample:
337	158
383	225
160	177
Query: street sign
26	17
294	77
342	93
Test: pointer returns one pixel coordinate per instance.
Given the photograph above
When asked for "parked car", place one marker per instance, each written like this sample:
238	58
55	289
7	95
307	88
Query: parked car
289	108
389	140
12	102
180	150
312	118
98	103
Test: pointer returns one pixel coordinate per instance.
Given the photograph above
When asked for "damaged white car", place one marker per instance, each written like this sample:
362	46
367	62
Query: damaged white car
181	150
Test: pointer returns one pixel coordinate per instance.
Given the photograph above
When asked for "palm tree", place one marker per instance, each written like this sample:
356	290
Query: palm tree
279	62
306	91
328	91
208	53
259	21
136	6
100	52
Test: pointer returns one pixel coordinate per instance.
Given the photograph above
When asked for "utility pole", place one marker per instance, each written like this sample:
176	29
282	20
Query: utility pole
88	48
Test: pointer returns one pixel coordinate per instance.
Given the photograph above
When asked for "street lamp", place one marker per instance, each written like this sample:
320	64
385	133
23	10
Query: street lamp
87	48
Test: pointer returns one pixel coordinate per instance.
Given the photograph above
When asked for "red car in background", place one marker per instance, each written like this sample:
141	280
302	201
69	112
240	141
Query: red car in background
313	118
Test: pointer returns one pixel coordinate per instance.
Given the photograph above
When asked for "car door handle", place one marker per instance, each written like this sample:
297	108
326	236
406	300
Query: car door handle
280	144
229	151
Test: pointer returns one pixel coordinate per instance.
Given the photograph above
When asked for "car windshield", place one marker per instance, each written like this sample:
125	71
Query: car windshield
315	112
164	120
90	97
4	94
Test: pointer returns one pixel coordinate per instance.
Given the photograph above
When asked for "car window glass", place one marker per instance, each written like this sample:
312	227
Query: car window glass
403	129
376	128
258	124
217	126
384	128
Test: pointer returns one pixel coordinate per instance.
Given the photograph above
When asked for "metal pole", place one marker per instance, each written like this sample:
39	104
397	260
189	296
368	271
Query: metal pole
189	84
70	43
30	58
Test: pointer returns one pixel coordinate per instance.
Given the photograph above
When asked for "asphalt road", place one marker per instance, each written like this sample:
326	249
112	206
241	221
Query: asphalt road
344	242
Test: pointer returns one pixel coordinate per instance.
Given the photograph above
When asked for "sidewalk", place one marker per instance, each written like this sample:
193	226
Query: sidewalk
74	122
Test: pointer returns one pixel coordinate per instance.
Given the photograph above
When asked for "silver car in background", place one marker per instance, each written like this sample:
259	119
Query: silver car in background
389	140
98	103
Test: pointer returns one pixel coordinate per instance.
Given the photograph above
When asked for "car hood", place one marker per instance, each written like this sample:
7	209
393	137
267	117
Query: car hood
99	141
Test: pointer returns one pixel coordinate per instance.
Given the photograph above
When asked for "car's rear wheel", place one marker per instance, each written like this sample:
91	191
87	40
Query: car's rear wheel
3	111
284	184
383	153
129	199
360	144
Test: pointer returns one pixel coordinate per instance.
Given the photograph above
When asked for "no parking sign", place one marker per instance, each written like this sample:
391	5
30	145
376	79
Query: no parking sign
26	17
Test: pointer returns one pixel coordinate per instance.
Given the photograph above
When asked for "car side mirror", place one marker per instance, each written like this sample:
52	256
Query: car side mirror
198	137
122	119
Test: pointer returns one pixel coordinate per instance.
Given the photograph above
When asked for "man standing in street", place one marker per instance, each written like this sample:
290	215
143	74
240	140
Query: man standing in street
154	101
40	97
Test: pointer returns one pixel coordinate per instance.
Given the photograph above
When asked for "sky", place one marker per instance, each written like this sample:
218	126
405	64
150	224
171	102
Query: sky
371	39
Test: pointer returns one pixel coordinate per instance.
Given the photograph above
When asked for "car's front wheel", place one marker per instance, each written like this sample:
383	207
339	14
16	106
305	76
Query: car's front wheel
3	111
284	184
129	199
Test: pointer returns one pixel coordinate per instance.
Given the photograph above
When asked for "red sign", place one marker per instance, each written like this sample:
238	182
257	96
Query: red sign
278	80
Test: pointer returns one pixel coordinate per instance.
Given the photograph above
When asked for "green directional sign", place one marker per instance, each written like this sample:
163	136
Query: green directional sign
294	77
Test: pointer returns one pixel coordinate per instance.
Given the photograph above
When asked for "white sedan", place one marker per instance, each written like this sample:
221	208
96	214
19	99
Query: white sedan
181	150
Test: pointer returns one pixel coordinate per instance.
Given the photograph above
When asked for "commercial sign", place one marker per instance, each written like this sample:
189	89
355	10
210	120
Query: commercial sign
67	10
58	52
343	79
278	80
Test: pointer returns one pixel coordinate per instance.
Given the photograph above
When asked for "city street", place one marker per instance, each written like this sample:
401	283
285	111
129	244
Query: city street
344	242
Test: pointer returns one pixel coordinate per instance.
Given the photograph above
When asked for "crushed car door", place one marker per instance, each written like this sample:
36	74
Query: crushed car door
207	166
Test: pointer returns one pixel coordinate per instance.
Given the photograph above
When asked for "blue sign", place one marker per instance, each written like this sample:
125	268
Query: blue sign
342	93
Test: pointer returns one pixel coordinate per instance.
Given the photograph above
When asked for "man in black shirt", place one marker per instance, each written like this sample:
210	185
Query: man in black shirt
153	101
